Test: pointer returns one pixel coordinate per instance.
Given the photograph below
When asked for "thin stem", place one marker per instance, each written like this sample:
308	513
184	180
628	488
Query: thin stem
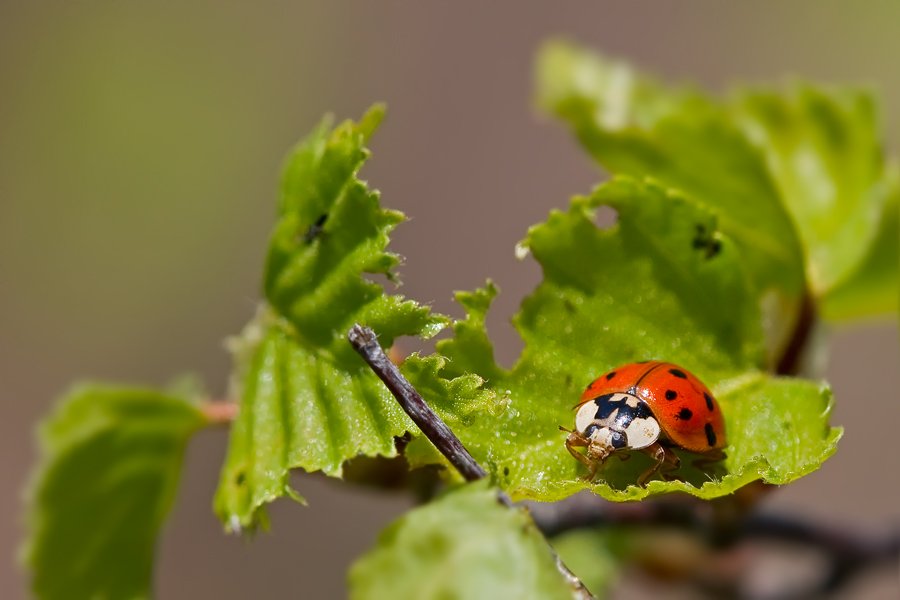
365	342
220	412
789	364
433	427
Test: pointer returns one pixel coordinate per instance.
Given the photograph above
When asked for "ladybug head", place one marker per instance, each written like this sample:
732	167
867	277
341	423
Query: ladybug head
603	441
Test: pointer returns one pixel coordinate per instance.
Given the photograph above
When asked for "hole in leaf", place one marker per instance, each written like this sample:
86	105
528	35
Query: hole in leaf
605	217
384	280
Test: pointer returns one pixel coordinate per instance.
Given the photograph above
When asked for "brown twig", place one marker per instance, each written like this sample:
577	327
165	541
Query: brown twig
790	361
433	427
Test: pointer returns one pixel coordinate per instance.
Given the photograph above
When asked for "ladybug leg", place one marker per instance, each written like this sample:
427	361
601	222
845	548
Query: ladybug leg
709	458
666	462
671	463
573	440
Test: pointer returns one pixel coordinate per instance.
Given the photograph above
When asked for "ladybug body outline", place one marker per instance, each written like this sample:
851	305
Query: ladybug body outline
651	407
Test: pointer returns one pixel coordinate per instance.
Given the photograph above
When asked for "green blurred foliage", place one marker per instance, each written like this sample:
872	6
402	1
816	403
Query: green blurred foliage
111	462
778	168
465	544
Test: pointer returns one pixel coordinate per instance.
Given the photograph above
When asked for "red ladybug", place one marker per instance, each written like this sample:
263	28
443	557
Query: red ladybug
647	406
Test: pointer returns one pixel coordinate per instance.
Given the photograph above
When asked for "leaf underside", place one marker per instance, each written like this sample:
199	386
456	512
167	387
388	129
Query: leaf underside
112	458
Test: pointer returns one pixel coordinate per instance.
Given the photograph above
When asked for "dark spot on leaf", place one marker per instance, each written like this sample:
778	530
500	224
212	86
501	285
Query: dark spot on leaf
678	373
642	362
506	470
316	229
787	425
709	401
705	241
570	306
240	478
671	394
610	375
684	414
710	435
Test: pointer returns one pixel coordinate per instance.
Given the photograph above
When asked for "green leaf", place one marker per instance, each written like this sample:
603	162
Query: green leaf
463	545
307	399
331	231
824	152
662	284
633	126
874	287
111	460
797	179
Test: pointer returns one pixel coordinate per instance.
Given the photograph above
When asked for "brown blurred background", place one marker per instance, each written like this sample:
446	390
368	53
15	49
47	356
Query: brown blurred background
140	146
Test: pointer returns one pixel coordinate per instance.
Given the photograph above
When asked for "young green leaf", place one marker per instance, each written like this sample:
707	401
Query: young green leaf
779	169
330	232
464	545
824	152
307	399
111	460
873	288
662	284
633	126
300	410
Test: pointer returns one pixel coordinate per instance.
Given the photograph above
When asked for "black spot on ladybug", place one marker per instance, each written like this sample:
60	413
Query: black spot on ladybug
610	375
506	470
671	394
316	229
678	373
617	439
709	401
684	414
710	435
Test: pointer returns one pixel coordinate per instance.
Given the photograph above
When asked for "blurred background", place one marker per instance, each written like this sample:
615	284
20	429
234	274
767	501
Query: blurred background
140	148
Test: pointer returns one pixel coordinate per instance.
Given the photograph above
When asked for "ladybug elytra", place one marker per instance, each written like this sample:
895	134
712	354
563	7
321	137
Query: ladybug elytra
651	407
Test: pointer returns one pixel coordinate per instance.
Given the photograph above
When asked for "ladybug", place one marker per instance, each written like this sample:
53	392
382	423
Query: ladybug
648	406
